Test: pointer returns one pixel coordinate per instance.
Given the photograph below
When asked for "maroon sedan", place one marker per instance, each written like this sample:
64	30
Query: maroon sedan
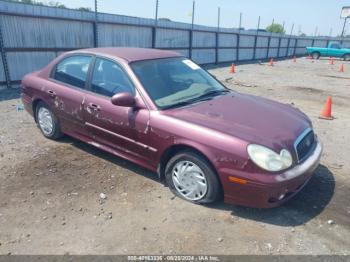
162	111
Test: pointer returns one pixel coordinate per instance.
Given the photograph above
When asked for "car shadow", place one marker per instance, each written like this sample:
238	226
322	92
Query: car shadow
306	205
109	157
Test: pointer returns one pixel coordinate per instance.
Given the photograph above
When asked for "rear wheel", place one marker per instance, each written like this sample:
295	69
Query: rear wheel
191	177
47	122
315	55
347	57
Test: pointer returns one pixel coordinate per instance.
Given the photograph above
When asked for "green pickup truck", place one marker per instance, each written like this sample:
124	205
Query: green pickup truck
334	49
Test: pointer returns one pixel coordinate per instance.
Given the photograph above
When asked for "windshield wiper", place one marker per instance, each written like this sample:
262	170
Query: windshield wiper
180	104
205	96
212	93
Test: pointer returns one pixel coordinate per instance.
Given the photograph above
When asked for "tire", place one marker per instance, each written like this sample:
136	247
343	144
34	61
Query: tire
43	114
195	179
315	55
347	57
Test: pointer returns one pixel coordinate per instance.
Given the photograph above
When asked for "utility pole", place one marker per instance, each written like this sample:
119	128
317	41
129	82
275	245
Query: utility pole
240	22
191	32
156	15
154	28
273	22
291	31
288	43
217	39
256	39
96	26
343	31
193	10
4	60
218	18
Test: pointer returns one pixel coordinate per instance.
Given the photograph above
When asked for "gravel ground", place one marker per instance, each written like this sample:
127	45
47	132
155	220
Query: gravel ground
50	199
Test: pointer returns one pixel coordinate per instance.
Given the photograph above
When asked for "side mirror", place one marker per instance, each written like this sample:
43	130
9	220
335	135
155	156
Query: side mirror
123	99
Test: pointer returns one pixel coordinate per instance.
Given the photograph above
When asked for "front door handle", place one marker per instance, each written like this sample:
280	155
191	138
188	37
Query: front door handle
51	93
93	107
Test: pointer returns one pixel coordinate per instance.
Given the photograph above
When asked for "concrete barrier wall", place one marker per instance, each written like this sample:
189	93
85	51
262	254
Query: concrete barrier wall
34	35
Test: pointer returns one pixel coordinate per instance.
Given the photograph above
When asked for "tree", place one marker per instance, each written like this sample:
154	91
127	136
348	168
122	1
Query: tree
275	28
88	9
56	4
31	2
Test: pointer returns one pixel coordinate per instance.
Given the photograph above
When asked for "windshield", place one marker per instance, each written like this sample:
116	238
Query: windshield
174	82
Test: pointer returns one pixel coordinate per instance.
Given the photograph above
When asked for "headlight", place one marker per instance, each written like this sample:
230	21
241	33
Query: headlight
268	159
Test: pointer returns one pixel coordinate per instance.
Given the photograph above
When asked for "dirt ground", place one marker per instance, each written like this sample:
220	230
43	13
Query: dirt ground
50	191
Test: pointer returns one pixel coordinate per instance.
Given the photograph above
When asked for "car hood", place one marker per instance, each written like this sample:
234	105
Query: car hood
250	118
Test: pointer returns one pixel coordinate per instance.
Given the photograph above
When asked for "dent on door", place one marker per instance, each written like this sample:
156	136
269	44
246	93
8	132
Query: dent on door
67	104
121	128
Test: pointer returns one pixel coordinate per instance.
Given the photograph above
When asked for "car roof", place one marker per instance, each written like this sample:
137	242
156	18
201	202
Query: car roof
130	54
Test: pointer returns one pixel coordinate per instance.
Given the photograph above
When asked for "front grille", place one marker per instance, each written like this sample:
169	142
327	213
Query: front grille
305	144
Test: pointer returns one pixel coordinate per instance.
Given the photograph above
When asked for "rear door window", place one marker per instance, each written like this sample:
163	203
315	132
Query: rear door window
73	70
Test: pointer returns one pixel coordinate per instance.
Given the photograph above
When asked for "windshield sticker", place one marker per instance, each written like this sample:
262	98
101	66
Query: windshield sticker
191	64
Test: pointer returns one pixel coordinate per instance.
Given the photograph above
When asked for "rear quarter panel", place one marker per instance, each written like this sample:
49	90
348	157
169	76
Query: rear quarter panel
32	89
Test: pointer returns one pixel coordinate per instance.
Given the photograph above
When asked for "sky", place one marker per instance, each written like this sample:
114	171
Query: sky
305	14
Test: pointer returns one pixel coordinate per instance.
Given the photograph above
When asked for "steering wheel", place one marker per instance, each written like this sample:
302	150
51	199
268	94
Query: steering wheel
189	81
117	88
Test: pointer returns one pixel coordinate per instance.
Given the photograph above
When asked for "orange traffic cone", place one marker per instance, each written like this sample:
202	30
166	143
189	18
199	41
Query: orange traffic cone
294	59
327	110
271	62
331	61
341	68
232	69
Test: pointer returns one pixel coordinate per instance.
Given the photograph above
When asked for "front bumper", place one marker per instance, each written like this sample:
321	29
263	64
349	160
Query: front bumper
275	191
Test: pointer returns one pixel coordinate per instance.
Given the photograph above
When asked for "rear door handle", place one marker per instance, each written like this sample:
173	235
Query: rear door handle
94	107
51	93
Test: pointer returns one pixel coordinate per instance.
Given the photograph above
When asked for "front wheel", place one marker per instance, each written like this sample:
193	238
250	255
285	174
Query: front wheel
191	177
315	55
347	57
47	122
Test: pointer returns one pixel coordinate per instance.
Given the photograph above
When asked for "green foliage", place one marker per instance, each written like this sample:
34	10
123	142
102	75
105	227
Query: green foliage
275	28
26	1
56	4
88	9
